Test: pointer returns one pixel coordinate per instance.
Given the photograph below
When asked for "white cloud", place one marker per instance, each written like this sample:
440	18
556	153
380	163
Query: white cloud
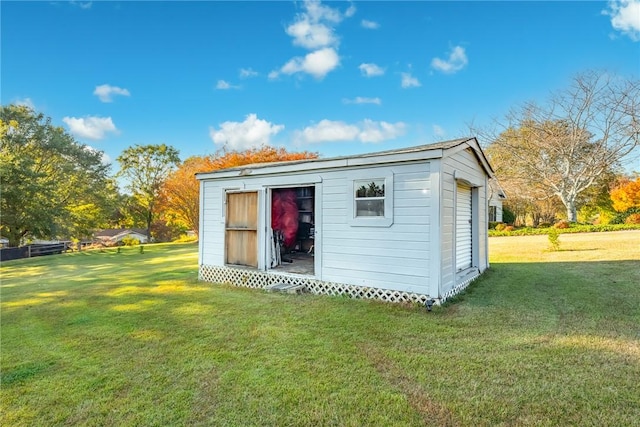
273	75
351	10
409	81
104	157
370	70
367	131
625	17
311	35
224	85
315	11
246	73
438	131
106	92
380	131
457	61
362	100
81	5
370	25
252	132
317	63
26	102
314	28
90	127
105	160
327	130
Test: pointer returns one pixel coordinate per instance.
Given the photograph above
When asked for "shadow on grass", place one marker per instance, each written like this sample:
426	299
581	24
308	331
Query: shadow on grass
137	340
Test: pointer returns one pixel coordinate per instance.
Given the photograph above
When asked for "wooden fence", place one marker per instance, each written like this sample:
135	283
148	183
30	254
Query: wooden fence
7	254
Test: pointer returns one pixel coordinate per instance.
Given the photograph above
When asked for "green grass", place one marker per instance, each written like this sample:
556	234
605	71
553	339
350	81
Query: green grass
106	339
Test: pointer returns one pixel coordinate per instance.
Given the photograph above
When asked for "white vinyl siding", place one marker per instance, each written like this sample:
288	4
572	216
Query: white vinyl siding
461	167
463	227
211	224
395	256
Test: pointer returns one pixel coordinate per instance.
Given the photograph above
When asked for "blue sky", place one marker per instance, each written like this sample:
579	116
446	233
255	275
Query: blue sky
336	78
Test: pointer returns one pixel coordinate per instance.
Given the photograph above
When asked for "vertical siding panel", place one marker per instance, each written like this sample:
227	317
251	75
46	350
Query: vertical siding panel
435	244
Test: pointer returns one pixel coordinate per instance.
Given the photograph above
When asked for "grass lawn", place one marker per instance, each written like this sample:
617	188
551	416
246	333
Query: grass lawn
108	339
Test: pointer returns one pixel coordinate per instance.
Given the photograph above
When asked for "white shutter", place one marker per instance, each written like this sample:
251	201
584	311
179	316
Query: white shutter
463	227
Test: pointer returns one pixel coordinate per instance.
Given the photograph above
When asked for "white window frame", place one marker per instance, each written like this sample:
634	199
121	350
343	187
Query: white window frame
370	221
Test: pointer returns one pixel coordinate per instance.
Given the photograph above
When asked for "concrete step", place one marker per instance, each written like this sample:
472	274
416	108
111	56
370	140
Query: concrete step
286	288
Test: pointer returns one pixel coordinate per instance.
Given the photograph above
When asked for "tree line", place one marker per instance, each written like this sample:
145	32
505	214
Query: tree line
562	159
53	187
557	160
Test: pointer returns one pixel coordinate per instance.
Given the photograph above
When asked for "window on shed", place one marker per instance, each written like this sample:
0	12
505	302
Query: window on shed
369	197
371	201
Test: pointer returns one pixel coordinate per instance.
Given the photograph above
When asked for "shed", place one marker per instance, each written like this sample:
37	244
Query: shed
401	225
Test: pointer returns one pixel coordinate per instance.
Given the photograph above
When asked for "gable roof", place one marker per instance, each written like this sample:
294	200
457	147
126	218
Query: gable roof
497	189
112	232
420	152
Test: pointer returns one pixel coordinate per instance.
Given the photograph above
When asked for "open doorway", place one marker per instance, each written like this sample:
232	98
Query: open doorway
292	246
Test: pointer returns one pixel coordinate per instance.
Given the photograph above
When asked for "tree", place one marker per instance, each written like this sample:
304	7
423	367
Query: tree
87	214
180	193
565	146
528	201
595	203
146	167
46	178
626	195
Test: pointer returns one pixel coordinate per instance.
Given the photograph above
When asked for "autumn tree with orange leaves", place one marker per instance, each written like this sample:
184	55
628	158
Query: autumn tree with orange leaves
626	195
181	191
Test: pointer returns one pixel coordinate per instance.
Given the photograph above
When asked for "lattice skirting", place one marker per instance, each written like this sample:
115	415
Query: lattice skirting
459	287
259	279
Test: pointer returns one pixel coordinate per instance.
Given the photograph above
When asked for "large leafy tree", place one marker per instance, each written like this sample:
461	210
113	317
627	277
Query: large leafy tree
145	169
567	145
52	186
92	210
180	192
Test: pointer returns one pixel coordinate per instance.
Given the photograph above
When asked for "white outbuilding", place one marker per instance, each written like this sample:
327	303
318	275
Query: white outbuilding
401	225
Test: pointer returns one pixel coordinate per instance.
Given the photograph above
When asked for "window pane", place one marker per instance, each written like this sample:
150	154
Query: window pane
370	207
369	188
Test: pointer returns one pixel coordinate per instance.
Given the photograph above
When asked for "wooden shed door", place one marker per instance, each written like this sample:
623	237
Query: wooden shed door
241	229
463	228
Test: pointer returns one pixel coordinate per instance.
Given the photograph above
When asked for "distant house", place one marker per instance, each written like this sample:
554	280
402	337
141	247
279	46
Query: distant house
495	201
115	235
402	225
